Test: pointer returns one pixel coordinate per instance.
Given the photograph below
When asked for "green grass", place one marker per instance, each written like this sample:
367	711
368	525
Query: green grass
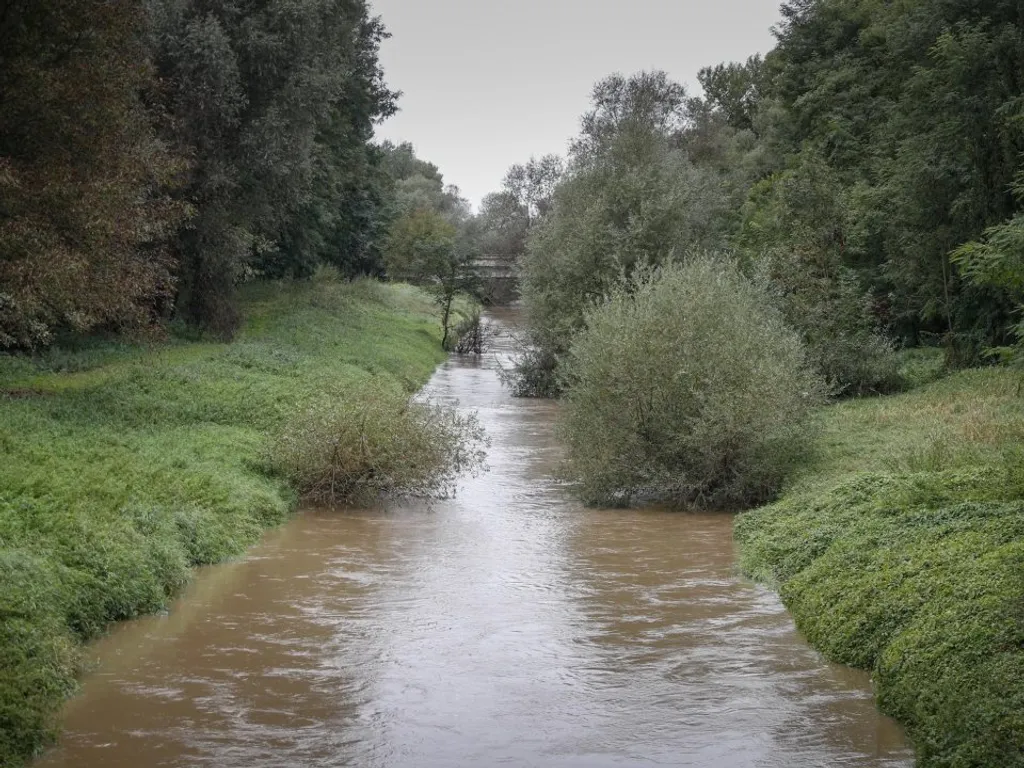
125	466
900	549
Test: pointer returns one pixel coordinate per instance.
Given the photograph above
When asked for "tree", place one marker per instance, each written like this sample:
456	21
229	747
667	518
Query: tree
794	234
426	249
504	226
276	102
917	108
630	198
400	162
686	386
997	261
84	205
645	103
734	90
506	217
532	185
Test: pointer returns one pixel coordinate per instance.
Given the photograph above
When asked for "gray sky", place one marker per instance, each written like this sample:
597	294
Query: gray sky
488	83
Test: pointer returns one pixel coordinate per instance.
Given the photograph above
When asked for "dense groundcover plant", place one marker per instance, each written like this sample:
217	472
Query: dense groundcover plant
688	387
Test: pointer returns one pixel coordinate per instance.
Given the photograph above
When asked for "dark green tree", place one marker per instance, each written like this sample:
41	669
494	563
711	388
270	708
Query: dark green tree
276	101
84	205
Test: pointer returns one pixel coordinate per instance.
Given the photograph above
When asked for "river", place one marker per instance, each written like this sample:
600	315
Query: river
507	626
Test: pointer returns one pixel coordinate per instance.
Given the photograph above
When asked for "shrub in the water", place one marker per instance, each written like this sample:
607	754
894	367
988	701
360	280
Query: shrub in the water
375	443
686	386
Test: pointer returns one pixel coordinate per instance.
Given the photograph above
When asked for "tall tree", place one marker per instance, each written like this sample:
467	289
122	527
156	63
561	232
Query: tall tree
83	180
276	100
532	185
735	90
427	249
630	197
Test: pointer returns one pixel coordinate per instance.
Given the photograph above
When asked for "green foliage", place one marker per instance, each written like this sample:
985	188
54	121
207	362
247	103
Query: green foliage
433	240
997	261
917	108
531	185
84	213
135	463
275	103
900	549
156	153
420	244
794	234
686	386
419	186
734	90
629	199
534	373
507	217
504	226
642	104
374	442
920	365
426	249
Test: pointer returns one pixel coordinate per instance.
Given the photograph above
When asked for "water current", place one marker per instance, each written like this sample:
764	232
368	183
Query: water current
506	626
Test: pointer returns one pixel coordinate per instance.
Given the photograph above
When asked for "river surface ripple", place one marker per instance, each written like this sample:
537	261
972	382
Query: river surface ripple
507	626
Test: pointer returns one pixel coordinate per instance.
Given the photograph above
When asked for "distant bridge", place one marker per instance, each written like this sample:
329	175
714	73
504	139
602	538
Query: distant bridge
500	279
494	268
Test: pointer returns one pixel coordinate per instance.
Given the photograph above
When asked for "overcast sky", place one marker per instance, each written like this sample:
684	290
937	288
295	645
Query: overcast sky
488	83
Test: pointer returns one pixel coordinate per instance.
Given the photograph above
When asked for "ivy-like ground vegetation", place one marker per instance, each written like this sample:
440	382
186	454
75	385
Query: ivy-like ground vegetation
124	466
901	550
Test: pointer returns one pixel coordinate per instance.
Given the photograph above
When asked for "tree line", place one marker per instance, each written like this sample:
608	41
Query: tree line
866	172
154	154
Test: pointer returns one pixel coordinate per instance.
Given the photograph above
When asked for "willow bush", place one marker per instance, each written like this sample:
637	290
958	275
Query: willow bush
686	386
375	443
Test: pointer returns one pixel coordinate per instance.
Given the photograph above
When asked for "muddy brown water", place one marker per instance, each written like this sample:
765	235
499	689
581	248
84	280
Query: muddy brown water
507	626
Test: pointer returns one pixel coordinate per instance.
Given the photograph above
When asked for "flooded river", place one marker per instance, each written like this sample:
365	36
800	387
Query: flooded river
507	626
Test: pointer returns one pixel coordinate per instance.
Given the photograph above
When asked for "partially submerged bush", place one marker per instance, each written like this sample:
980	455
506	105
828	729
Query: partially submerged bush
375	443
534	373
469	336
688	387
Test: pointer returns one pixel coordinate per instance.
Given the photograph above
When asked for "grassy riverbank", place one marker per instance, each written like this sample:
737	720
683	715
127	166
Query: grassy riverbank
901	550
124	466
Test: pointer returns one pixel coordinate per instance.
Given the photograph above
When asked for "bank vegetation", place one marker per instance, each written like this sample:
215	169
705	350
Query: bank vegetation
860	187
126	464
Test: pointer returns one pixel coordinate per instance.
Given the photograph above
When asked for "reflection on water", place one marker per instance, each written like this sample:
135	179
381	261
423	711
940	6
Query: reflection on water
506	626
